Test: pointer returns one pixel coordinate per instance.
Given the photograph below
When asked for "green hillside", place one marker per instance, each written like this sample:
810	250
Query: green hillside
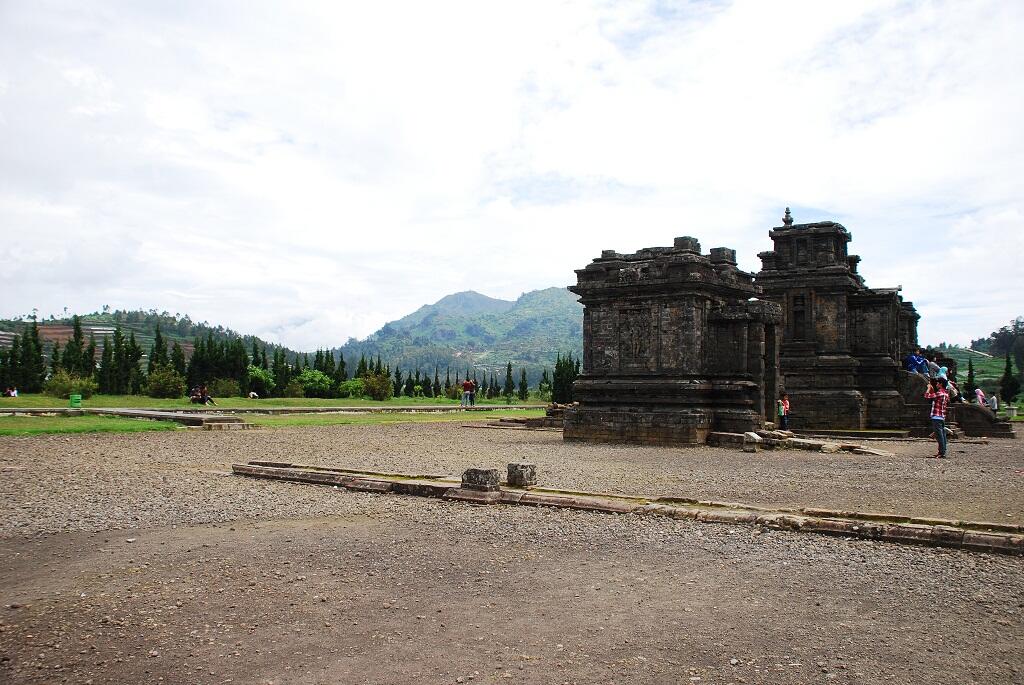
174	328
470	330
986	368
460	331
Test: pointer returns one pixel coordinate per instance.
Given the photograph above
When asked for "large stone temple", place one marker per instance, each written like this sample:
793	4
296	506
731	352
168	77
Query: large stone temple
842	342
676	344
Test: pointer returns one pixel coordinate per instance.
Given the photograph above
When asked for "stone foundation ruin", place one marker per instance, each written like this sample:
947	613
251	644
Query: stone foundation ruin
676	344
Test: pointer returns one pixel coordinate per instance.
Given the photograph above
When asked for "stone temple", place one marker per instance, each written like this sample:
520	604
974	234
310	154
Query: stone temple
676	344
842	342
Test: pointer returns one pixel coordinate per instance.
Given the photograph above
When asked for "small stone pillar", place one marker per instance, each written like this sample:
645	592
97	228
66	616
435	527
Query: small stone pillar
522	474
483	480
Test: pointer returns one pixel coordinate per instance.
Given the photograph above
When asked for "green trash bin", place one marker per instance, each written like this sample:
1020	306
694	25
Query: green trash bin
76	401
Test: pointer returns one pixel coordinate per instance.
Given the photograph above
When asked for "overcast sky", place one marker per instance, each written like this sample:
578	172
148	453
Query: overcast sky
308	171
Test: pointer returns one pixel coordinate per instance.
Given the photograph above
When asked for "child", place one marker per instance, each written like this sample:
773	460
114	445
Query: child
783	411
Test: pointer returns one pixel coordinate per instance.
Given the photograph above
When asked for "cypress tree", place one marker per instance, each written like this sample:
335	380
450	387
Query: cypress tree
33	364
178	359
55	358
341	371
133	372
318	361
158	353
263	359
398	385
379	368
970	386
1009	384
524	390
447	380
361	370
5	371
410	385
74	349
510	385
88	366
14	363
329	367
436	387
255	354
118	366
104	375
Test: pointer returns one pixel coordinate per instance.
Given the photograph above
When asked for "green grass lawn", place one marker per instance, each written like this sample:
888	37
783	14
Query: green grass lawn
143	402
292	420
32	425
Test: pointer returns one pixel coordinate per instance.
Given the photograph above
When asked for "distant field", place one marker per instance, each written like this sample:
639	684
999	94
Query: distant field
33	425
141	401
985	368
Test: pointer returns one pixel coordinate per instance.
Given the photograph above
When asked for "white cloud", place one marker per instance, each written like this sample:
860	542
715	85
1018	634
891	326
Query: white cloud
308	171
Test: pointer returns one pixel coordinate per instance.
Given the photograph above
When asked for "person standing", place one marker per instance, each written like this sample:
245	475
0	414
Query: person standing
467	391
783	411
940	402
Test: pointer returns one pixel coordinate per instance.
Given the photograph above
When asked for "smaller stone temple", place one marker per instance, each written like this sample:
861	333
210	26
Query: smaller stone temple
676	344
843	342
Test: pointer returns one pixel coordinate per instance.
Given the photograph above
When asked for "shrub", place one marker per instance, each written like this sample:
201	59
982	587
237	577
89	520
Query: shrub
314	383
165	382
352	388
64	384
293	389
225	387
378	386
261	381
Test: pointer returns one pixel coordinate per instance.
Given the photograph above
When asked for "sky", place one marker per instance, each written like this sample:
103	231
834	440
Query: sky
307	171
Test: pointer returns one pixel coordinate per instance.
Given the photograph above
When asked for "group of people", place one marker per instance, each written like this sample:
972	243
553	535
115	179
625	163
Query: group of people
10	391
200	395
468	393
928	367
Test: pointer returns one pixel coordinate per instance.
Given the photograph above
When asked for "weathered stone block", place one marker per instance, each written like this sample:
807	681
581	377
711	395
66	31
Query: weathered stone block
521	474
484	480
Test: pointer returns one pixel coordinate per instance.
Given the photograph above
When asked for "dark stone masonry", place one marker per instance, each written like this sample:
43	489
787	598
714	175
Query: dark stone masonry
676	344
842	343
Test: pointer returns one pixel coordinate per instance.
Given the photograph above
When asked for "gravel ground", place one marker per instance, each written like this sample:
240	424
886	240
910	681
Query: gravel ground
99	481
133	558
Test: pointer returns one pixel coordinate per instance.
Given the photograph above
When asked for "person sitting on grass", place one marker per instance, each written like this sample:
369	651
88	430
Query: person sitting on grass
205	395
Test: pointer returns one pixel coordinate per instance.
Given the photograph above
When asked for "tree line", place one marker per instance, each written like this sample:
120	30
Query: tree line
228	368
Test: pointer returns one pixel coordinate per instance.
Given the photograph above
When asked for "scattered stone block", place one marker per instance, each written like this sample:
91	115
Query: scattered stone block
830	448
483	480
751	441
522	474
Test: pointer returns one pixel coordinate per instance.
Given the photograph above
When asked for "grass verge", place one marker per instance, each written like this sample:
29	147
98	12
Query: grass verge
34	425
143	402
292	420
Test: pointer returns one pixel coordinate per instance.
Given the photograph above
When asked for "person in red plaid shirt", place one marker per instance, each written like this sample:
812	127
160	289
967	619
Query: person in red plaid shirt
940	402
